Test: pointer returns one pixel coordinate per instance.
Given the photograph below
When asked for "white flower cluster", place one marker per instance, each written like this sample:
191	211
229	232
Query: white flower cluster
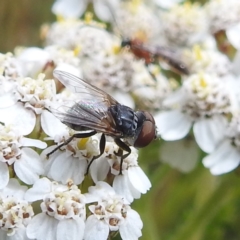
69	196
63	207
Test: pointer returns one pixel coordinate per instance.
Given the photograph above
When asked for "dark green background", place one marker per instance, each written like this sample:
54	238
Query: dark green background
20	21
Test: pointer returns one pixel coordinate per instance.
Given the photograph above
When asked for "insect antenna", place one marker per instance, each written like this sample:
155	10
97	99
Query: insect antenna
111	10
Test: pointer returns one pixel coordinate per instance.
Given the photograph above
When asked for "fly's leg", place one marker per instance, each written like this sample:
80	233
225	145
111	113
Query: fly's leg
102	145
122	146
149	71
76	135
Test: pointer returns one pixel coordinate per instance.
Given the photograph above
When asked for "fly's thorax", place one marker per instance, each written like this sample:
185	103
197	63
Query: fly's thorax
125	119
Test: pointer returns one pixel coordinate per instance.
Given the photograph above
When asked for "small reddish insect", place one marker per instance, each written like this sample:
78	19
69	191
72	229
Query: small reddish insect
98	112
153	54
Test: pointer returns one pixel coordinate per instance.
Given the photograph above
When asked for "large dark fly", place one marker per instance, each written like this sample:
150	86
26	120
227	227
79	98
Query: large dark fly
98	112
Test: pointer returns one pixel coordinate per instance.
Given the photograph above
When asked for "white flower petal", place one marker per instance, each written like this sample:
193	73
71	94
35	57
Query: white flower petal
7	100
209	132
173	125
99	169
68	167
20	234
124	98
29	166
121	187
102	9
3	234
131	229
69	8
139	179
28	142
184	157
167	4
33	60
47	162
175	98
14	189
40	188
95	229
224	159
4	175
235	67
233	35
64	80
19	117
99	191
70	229
52	125
42	227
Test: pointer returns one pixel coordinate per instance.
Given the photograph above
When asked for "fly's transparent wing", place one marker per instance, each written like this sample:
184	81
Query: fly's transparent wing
83	89
91	111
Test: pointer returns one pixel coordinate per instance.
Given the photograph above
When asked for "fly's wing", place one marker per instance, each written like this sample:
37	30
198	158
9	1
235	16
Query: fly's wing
91	111
172	58
167	55
83	89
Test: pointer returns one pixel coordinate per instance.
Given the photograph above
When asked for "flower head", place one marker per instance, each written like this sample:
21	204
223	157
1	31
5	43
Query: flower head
207	60
226	156
13	152
184	25
110	213
16	213
74	8
218	11
141	20
72	160
204	101
9	66
131	183
63	211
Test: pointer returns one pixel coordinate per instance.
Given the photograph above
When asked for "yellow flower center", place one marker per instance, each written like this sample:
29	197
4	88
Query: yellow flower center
82	143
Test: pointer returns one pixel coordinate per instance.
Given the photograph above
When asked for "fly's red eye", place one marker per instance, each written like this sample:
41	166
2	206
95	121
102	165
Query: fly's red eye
149	117
147	133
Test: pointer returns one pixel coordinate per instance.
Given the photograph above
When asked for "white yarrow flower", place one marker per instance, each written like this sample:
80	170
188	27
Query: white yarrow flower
72	160
75	8
226	157
16	213
7	92
33	96
202	101
131	183
207	60
110	213
9	66
63	211
15	154
141	20
184	24
218	14
32	61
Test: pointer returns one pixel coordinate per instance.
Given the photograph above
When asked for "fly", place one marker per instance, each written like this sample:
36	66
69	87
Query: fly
98	112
